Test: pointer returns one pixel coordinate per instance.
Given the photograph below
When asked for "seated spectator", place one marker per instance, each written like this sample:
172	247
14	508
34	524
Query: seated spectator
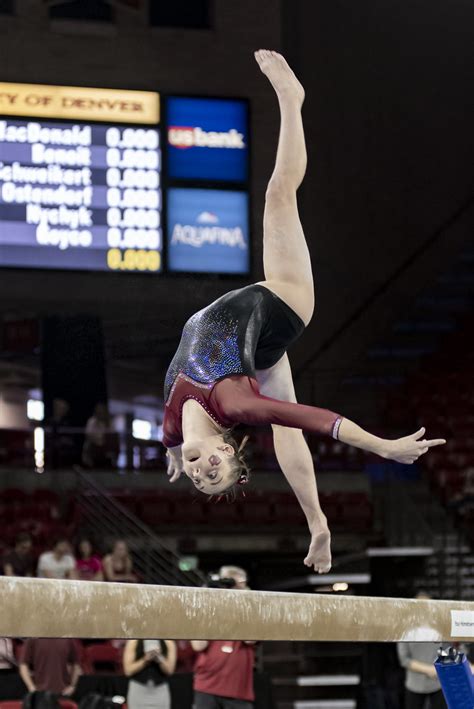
7	657
101	444
58	563
50	664
88	564
20	561
118	565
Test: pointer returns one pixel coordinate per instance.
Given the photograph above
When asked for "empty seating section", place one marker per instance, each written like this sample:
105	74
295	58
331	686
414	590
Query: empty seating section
40	513
16	447
258	509
45	516
441	397
102	658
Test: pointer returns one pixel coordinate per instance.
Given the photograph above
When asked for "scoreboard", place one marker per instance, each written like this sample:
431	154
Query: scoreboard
84	186
80	196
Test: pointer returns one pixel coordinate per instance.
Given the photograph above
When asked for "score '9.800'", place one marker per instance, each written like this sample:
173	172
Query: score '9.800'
133	260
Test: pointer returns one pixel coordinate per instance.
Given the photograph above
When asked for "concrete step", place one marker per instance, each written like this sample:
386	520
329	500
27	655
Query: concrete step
326	704
339	680
319	704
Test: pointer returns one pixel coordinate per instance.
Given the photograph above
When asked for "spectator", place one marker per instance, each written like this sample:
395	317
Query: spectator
422	687
236	575
148	663
50	664
223	674
118	565
20	561
185	657
7	657
101	445
58	563
88	564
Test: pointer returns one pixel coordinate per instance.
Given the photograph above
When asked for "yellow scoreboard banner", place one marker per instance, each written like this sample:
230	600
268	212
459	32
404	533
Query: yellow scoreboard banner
78	103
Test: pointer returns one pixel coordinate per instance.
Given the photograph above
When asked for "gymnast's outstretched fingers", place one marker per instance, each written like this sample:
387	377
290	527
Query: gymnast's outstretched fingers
175	465
409	448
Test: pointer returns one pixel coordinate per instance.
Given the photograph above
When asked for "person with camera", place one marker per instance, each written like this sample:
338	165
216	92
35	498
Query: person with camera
148	663
223	673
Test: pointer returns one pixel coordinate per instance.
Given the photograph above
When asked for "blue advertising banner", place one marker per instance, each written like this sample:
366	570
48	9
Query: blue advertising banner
207	139
208	231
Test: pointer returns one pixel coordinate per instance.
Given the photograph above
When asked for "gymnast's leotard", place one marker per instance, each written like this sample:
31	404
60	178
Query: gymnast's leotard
220	350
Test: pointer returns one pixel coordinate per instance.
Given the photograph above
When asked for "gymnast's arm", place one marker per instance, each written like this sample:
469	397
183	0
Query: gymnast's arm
243	403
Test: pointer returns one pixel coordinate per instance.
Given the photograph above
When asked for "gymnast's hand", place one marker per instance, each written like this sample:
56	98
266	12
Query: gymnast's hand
175	464
410	448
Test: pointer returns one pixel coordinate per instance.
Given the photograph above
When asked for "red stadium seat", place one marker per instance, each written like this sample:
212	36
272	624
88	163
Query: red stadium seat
221	512
189	507
157	511
102	659
286	510
13	495
46	496
257	510
67	703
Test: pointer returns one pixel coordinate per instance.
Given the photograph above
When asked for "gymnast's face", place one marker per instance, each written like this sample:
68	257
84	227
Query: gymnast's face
207	462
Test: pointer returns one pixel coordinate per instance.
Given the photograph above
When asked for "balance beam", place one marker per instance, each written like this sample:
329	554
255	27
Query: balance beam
87	609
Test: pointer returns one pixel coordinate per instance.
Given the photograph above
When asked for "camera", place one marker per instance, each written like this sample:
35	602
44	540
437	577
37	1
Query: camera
215	581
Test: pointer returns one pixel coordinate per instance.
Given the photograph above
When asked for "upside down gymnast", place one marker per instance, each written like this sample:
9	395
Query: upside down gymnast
231	365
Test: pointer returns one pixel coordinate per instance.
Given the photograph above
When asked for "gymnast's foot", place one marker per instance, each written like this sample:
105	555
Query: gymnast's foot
281	77
319	554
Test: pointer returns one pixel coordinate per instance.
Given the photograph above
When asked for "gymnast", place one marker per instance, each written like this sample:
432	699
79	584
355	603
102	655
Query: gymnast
231	365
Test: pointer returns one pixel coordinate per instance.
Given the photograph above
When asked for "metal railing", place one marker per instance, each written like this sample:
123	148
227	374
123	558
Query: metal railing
105	518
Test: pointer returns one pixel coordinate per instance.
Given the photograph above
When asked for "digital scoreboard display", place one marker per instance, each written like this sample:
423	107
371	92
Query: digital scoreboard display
82	181
76	195
80	194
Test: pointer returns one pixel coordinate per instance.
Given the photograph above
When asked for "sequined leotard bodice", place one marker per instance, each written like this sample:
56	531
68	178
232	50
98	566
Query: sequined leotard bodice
220	350
244	330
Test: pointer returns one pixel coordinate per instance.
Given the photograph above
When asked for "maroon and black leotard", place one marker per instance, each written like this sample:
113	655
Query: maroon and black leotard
220	350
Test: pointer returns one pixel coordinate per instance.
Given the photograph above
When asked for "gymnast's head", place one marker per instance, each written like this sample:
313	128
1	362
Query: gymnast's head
216	464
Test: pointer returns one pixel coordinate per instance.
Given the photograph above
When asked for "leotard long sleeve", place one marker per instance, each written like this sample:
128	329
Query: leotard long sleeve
237	399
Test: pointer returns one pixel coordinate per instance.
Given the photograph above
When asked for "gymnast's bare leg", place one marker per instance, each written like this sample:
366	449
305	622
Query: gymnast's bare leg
296	462
288	273
286	259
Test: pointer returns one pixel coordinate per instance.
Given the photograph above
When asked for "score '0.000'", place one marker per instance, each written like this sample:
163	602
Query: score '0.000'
133	260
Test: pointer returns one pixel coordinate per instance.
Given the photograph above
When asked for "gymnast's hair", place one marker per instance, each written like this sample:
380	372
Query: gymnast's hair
239	467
